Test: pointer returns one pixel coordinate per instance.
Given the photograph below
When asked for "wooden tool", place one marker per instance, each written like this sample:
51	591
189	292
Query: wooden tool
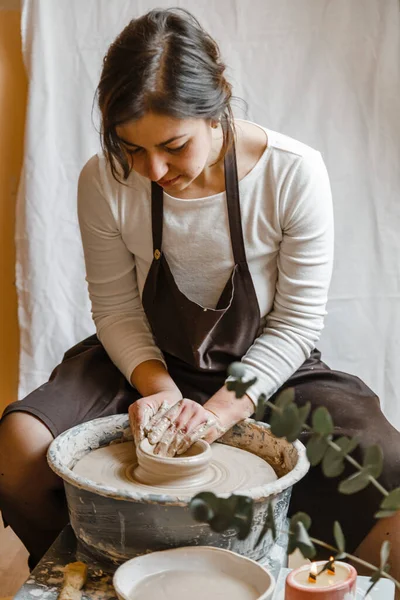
75	575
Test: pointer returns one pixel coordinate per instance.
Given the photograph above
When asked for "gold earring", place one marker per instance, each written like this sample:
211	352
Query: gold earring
214	124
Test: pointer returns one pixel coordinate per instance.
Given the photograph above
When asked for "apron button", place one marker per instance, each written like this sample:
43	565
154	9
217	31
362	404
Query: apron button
204	310
157	254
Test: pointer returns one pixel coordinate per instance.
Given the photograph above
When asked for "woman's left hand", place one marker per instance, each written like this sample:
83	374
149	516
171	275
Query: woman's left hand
176	430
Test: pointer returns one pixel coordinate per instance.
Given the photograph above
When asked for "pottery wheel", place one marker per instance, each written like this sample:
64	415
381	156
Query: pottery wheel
230	470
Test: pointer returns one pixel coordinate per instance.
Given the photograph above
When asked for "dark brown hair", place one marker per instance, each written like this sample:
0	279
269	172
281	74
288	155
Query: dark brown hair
163	62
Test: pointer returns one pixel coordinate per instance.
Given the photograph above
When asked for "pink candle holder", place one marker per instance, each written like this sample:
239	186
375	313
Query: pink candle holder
340	586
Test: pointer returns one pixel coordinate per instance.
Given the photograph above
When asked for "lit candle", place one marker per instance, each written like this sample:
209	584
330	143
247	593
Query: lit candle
336	583
331	566
312	575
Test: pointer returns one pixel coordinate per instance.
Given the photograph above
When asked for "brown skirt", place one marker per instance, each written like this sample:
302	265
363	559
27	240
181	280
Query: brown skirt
87	385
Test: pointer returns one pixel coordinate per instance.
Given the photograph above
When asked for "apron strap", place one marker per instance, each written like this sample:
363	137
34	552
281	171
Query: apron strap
233	205
157	214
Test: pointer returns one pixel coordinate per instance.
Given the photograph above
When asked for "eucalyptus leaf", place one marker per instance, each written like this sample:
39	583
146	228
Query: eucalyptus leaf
282	424
322	421
227	507
240	387
293	435
236	512
392	500
299	538
389	505
243	527
301	517
301	534
339	536
340	555
243	503
298	422
383	514
355	482
305	521
262	398
221	514
298	416
243	515
376	576
384	553
373	461
231	502
221	522
372	467
204	507
237	370
285	398
347	445
333	461
316	447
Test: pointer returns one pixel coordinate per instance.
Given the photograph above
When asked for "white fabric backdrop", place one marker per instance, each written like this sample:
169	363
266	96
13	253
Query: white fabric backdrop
326	73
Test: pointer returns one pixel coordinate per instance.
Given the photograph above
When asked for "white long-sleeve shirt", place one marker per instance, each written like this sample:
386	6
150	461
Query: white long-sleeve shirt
287	222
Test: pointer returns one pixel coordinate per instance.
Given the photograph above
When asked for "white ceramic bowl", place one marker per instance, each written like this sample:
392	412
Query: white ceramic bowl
205	561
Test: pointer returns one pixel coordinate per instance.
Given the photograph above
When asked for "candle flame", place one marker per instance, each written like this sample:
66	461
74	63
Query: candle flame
312	576
331	568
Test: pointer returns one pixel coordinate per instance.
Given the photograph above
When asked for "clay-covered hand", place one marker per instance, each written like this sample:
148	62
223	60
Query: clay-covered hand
175	430
143	411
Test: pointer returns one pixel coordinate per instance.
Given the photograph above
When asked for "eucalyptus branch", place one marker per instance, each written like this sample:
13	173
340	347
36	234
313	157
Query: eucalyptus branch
356	464
237	512
288	420
333	445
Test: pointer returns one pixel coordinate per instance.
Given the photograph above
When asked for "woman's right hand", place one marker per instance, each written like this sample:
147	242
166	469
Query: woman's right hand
144	409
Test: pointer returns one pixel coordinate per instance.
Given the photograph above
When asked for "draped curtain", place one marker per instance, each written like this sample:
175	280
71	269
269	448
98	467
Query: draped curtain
326	73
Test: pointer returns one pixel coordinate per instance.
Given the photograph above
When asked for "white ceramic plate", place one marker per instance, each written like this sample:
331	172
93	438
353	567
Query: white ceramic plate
208	562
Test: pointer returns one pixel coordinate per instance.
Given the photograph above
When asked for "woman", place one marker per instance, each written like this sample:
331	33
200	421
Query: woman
194	259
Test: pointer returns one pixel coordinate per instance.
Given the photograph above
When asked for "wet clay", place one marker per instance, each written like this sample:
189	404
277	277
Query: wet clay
196	585
228	470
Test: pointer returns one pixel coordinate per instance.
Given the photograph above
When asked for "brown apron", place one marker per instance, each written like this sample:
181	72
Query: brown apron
198	345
